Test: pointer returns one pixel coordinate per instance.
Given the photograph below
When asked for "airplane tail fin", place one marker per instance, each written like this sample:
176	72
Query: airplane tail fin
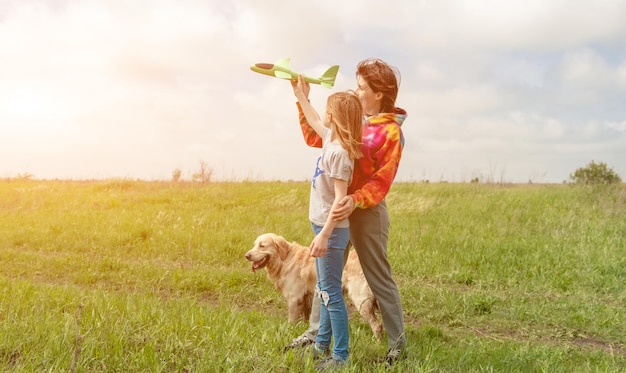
328	78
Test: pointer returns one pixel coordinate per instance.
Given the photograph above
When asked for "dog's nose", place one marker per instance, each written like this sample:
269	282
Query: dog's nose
248	256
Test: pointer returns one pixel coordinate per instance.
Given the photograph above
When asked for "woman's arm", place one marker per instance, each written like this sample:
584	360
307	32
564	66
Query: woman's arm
376	188
311	138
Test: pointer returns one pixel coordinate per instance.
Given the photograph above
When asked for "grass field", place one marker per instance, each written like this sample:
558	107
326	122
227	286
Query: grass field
133	276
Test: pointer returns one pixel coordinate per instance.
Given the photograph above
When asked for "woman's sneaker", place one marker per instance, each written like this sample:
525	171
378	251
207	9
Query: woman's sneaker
329	364
393	354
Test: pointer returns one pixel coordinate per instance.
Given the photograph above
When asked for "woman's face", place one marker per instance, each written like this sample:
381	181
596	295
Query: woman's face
369	99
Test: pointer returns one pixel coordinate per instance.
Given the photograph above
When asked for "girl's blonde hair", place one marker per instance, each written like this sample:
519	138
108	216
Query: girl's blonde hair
347	121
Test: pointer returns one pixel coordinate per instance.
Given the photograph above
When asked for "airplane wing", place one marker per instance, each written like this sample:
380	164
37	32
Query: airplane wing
284	63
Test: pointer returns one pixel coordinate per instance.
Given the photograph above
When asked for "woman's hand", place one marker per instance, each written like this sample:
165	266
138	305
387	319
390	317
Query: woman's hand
344	210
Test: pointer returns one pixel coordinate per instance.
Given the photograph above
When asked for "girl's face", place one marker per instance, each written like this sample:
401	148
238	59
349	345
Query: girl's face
326	119
370	100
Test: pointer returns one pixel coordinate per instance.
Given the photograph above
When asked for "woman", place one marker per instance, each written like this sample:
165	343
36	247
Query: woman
377	88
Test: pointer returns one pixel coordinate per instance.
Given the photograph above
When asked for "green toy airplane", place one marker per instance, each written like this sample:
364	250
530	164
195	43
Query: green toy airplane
281	70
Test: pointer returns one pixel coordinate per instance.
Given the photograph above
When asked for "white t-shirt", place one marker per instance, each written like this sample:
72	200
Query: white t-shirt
333	163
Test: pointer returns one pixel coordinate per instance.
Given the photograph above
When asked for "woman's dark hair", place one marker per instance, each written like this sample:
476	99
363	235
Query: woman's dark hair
381	77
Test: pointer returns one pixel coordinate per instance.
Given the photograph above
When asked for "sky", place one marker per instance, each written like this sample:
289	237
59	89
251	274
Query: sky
499	90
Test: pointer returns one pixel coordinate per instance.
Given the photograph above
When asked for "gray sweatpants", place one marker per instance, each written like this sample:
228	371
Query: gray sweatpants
369	232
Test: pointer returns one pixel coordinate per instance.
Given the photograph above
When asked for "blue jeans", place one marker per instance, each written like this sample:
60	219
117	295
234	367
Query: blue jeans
333	313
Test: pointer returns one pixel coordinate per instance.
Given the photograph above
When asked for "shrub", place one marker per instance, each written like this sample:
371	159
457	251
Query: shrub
595	173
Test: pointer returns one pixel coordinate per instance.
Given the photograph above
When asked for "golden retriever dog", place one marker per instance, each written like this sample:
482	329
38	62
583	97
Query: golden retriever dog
292	270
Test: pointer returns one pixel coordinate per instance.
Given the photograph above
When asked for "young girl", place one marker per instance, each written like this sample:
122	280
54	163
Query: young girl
340	130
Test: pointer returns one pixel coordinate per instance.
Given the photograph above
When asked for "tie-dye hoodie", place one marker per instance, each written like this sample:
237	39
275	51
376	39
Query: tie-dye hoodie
382	149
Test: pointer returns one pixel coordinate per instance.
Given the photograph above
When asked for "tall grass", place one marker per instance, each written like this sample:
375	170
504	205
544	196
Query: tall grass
123	275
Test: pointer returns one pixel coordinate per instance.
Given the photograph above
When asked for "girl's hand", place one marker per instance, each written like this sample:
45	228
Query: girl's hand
318	246
301	88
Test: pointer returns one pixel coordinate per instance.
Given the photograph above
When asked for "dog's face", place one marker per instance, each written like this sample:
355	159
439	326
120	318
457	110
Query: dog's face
265	248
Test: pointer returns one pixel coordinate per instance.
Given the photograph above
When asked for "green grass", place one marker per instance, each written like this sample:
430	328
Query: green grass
121	276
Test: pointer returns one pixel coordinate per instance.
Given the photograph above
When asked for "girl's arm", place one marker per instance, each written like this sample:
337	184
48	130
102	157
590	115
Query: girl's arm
309	112
319	245
311	138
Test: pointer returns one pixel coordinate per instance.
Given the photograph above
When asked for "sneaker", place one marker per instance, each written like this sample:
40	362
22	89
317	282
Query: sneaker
301	341
393	354
319	352
330	363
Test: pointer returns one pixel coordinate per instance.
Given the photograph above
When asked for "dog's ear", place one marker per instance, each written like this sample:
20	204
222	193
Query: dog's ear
283	247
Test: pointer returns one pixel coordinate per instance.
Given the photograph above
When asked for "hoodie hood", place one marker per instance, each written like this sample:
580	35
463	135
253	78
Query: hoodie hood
398	116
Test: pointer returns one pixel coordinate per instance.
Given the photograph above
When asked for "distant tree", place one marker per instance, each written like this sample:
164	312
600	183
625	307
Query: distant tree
204	175
176	174
25	176
595	173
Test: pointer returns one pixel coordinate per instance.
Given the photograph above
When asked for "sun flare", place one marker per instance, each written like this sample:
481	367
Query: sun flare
34	105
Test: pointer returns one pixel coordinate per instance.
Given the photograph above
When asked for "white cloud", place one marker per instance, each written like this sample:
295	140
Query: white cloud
619	127
586	68
108	88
